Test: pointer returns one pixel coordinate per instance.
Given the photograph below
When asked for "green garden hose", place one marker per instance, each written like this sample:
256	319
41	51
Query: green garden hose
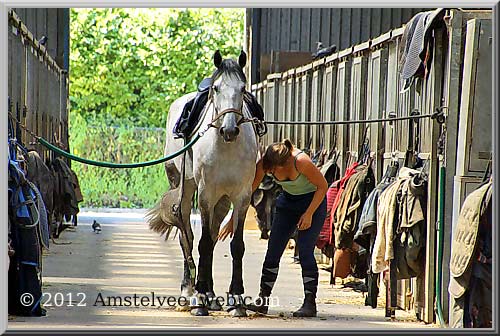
70	156
440	236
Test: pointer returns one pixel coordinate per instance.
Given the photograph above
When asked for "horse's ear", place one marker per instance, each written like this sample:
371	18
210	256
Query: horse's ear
217	59
242	60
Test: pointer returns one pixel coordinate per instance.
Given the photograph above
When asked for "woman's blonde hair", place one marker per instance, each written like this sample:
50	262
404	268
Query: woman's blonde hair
277	154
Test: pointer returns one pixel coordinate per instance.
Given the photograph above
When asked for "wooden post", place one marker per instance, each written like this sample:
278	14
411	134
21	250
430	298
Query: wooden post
433	100
342	109
451	96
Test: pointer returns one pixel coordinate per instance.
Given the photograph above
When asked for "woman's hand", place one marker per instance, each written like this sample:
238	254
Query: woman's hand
227	230
305	221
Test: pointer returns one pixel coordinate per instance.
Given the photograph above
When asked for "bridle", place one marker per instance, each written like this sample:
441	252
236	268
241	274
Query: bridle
219	114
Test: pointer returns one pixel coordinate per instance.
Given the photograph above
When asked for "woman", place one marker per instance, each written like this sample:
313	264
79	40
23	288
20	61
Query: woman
302	205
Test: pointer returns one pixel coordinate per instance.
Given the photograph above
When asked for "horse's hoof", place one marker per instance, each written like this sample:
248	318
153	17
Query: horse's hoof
238	311
199	311
215	306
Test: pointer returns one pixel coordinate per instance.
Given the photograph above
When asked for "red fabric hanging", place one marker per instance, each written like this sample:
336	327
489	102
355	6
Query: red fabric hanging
333	199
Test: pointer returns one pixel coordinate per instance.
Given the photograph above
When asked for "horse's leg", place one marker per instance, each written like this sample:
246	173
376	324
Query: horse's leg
205	251
186	239
236	289
221	209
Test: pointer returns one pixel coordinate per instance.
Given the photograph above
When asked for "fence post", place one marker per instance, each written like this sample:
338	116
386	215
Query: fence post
376	99
317	114
328	100
358	97
342	105
290	103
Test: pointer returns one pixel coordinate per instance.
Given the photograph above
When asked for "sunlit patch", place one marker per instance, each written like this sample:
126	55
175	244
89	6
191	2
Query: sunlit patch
132	254
134	247
142	260
149	272
139	241
141	265
135	236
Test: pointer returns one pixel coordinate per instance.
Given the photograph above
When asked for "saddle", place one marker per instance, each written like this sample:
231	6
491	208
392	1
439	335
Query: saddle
191	113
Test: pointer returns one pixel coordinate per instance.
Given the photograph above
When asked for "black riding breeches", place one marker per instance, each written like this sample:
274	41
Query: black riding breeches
289	209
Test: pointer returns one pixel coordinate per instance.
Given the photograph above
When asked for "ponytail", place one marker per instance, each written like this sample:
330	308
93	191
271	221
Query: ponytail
288	144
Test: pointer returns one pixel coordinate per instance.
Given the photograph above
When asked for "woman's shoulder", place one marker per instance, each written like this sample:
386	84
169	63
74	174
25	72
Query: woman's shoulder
302	160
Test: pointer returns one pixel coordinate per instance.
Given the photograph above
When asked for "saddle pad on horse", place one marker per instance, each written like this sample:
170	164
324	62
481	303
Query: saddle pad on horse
192	111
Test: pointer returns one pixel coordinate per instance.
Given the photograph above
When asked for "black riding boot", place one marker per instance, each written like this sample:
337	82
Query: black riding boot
308	308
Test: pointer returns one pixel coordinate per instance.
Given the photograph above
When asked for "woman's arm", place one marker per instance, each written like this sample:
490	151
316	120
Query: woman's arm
227	230
313	174
259	175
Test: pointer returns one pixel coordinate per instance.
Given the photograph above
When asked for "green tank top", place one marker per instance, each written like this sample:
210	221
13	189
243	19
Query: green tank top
301	185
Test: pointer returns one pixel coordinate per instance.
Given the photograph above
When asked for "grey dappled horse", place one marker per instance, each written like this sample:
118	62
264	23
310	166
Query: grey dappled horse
221	168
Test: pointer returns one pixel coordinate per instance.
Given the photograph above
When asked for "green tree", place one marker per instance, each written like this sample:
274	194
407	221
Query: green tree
133	63
127	67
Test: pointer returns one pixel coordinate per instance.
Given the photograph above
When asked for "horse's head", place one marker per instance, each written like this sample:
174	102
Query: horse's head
228	88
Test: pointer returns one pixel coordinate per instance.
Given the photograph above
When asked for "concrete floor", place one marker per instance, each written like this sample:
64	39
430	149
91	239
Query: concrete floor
127	259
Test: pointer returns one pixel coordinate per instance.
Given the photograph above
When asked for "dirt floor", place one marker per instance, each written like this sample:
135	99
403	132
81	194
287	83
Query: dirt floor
126	258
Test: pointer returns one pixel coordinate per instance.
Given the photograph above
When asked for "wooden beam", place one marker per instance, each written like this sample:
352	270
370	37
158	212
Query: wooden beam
451	97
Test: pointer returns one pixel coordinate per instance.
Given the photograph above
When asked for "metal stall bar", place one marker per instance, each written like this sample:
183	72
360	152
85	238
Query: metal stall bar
282	105
290	103
358	96
272	103
376	95
316	106
305	75
392	97
297	106
342	104
328	100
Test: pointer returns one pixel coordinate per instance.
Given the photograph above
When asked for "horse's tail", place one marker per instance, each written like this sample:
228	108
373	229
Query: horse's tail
156	222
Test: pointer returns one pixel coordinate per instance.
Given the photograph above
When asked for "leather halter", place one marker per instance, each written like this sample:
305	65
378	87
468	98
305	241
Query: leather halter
222	113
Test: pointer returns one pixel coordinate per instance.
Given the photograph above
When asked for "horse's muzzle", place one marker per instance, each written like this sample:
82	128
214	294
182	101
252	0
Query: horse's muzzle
229	133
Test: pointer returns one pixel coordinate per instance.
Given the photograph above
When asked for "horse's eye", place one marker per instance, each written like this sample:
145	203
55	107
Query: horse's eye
216	88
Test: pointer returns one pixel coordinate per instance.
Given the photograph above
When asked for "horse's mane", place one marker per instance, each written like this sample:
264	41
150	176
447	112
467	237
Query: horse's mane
231	68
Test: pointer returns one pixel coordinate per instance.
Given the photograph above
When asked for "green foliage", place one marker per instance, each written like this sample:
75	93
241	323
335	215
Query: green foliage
131	64
127	67
121	188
